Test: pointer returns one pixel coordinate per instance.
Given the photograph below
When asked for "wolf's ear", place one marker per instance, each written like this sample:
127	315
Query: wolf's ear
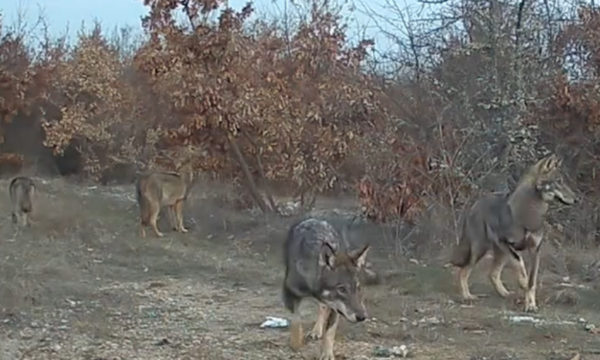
327	256
559	163
543	165
550	163
359	257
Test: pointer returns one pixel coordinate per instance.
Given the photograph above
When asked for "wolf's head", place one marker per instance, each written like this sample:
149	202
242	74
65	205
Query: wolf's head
187	172
24	195
549	182
340	286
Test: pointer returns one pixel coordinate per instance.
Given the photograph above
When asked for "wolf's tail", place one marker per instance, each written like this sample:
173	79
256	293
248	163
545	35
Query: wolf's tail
142	202
462	252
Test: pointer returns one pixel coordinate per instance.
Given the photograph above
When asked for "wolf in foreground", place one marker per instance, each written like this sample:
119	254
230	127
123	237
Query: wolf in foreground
507	224
157	189
320	265
21	190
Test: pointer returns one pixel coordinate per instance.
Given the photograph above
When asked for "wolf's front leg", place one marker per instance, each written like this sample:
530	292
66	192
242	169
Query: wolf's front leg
329	337
292	303
296	333
530	300
317	330
535	242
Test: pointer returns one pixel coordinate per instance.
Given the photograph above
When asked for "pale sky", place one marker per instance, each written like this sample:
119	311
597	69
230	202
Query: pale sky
61	14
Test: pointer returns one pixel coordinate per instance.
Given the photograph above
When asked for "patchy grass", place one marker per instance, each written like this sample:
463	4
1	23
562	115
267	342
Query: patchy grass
81	284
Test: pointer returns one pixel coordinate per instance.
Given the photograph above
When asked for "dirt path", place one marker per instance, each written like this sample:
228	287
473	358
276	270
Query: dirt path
82	285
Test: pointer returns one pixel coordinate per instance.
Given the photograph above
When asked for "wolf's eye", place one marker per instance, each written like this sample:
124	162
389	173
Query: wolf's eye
342	289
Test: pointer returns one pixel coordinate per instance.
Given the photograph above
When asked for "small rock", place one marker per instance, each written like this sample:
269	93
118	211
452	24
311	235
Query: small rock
382	352
396	351
400	351
26	333
430	321
162	342
591	328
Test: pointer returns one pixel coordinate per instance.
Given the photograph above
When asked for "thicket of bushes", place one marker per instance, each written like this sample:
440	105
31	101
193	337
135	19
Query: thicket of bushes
461	105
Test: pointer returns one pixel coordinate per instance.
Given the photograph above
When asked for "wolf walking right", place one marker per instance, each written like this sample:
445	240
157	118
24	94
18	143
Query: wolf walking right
319	264
507	224
21	190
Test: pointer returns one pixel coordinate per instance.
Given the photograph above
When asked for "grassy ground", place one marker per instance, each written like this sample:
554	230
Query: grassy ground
81	284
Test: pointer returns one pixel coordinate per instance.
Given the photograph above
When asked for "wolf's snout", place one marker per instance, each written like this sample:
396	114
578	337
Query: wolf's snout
360	318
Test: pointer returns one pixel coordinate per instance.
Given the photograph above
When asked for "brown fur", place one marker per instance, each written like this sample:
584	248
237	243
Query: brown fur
157	189
506	224
21	190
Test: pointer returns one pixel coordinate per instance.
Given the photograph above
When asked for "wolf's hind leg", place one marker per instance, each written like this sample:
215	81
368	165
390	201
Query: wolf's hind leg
463	277
475	254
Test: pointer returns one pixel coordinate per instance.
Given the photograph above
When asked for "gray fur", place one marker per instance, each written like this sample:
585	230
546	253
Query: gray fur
307	241
490	217
319	264
507	223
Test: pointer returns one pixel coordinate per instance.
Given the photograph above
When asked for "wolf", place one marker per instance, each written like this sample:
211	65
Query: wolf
509	223
319	264
157	189
21	190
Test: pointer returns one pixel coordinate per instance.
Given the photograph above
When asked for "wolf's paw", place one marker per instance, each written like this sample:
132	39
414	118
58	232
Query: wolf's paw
326	355
507	294
314	335
469	297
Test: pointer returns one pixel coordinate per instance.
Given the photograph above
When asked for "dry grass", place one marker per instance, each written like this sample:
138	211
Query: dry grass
81	284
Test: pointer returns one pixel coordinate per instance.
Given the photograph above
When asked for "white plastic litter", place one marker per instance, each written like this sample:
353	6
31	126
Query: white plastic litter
525	319
275	323
518	319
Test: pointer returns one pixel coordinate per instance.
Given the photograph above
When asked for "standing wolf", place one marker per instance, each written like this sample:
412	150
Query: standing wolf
509	223
157	189
319	264
21	190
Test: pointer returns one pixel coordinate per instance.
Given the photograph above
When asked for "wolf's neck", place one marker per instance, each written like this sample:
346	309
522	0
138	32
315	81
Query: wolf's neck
527	207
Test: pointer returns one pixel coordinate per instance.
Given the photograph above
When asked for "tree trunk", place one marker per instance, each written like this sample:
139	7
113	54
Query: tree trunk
262	178
248	175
